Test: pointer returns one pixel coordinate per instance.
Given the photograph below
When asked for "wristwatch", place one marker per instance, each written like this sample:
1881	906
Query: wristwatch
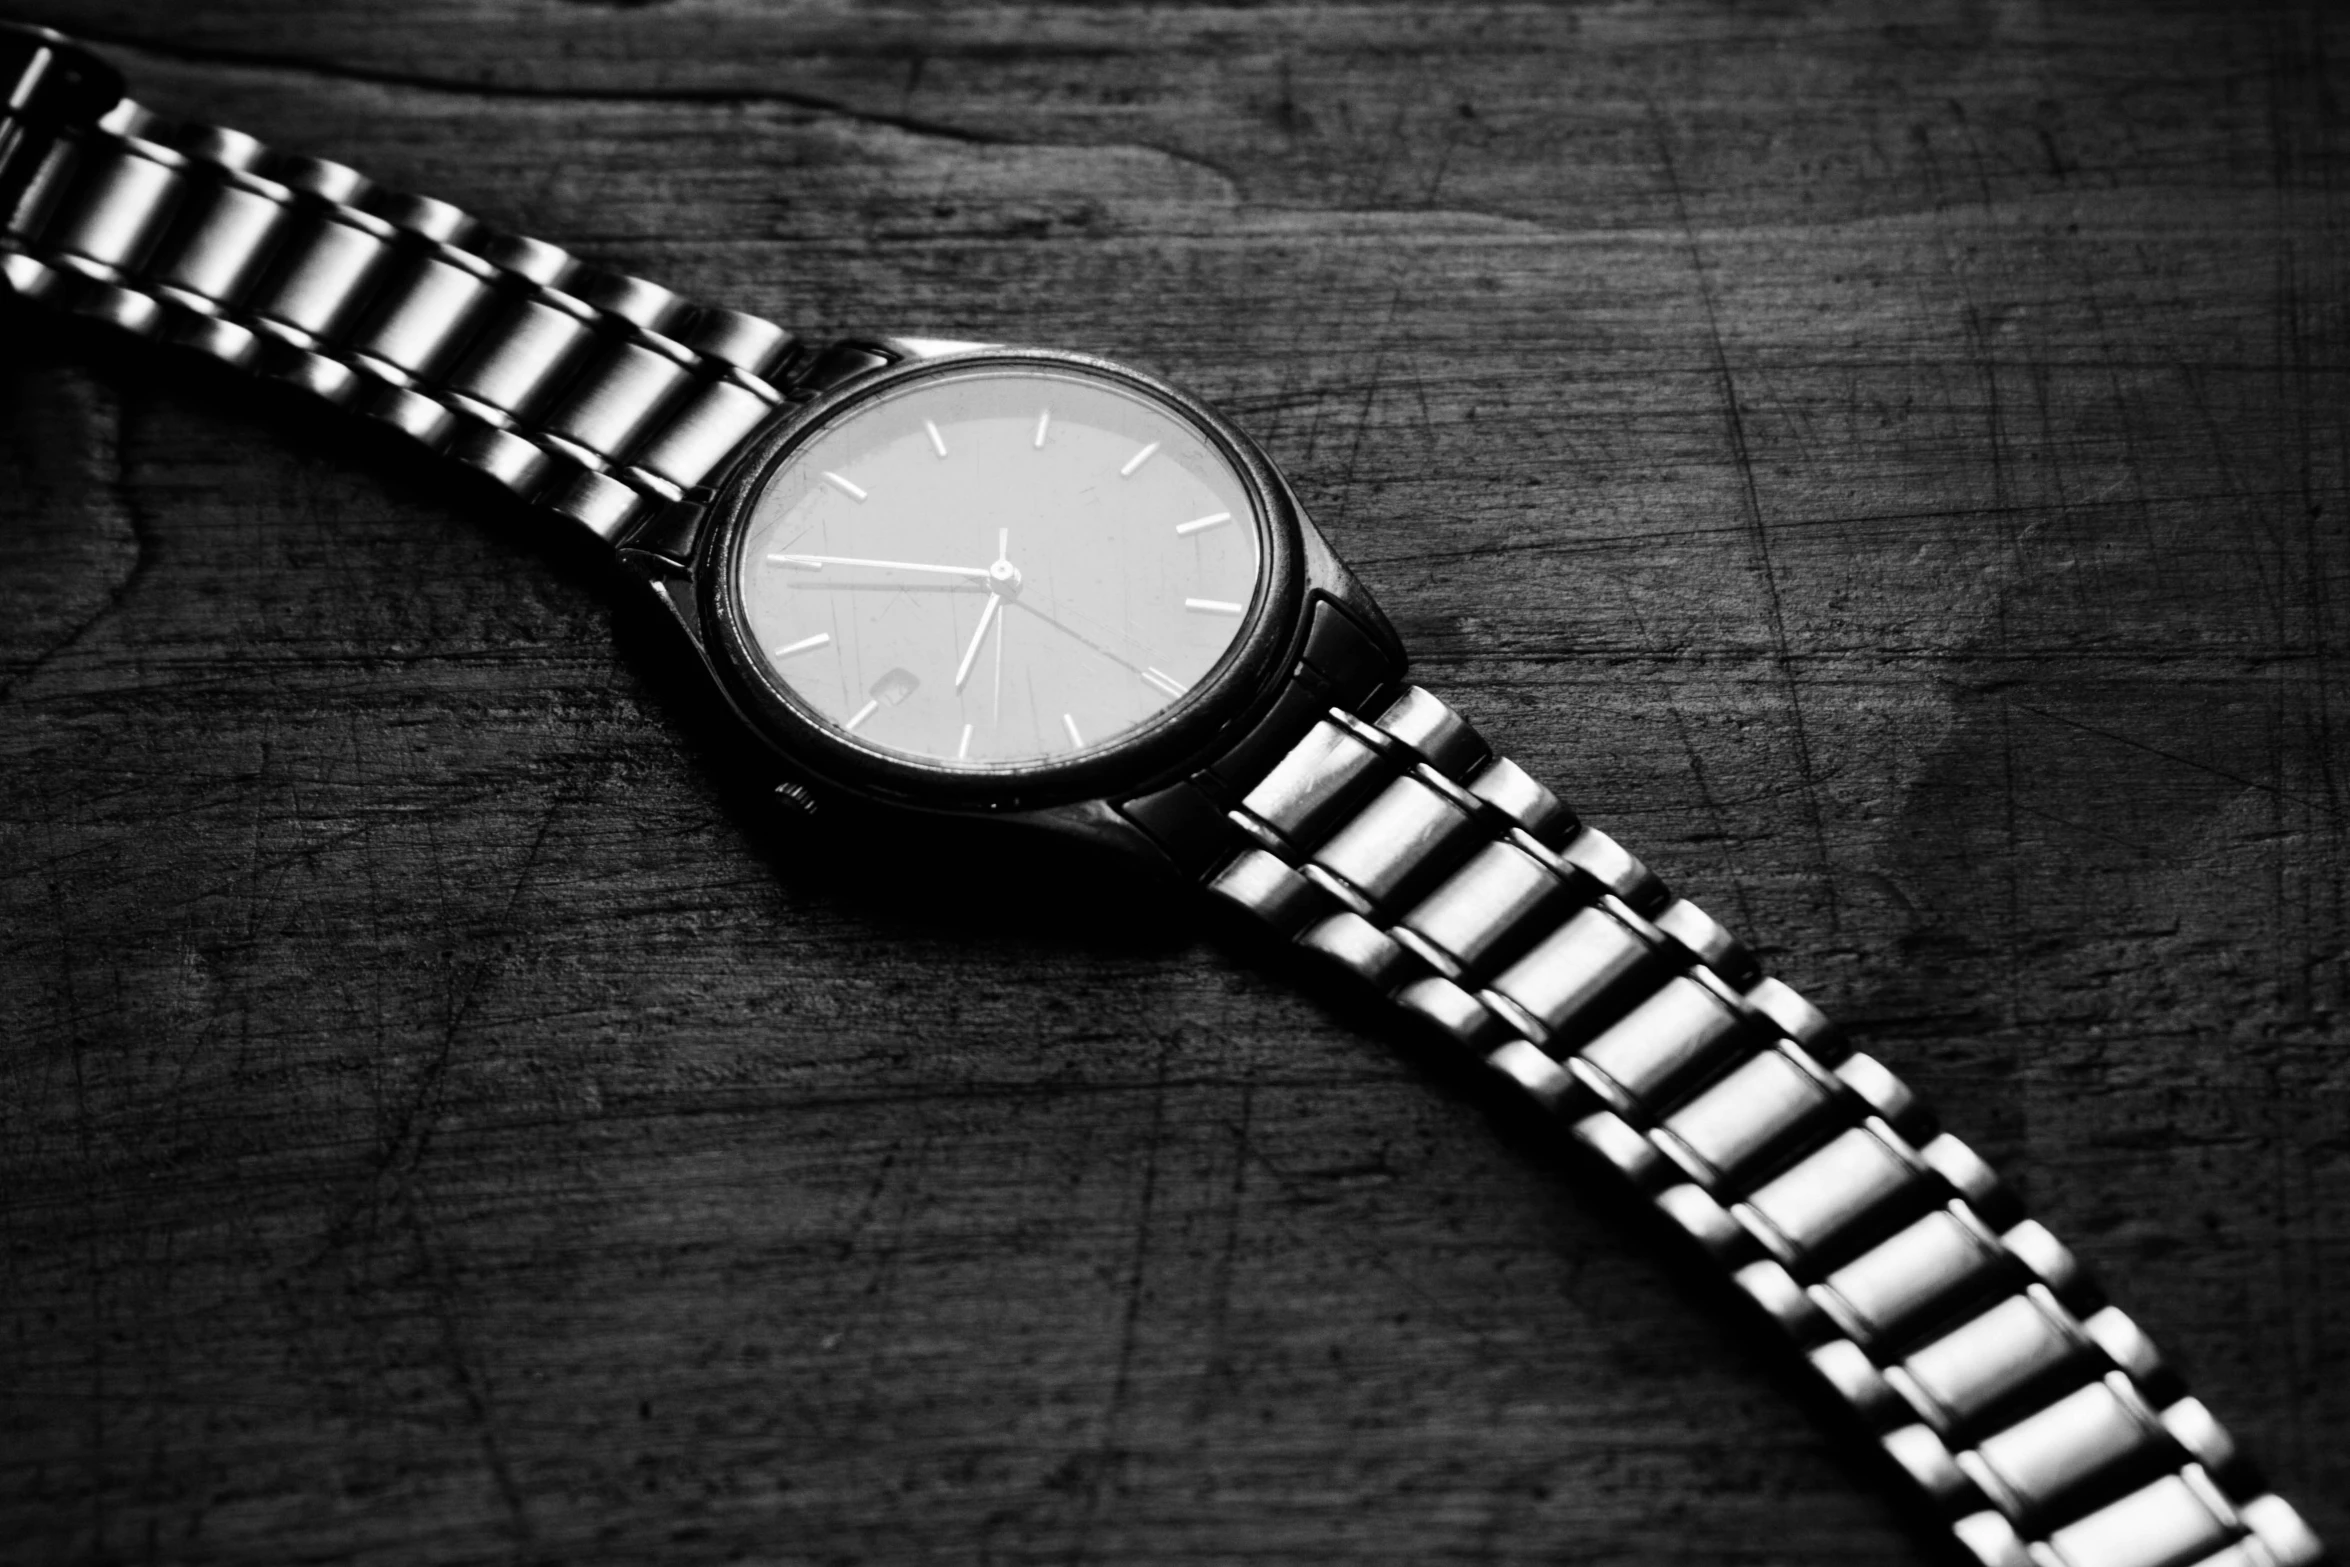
1032	593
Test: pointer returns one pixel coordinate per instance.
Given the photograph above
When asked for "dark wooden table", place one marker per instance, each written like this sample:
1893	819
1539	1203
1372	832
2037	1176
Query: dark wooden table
1887	463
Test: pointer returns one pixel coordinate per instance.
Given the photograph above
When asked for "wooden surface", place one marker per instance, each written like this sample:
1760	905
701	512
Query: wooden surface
1886	463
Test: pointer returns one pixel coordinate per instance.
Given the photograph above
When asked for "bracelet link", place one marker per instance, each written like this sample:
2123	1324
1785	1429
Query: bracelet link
2038	1423
48	84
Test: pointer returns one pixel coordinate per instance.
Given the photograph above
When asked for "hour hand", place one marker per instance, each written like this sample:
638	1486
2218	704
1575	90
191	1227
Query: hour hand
819	562
986	619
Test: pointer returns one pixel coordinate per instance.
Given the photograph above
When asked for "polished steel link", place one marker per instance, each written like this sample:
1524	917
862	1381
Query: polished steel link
1623	1149
1406	836
607	406
2279	1537
1682	1029
1967	1173
1433	732
707	420
1775	1293
226	223
1849	1182
2037	1420
1934	1267
1803	1023
731	338
1606	863
1709	946
2198	1432
1271	890
1846	1369
430	303
2027	1338
1477	913
1506	788
2050	1260
1693	1210
1885	1095
1466	1021
106	200
1932	1468
2124	1343
1361	948
1443	969
2090	1430
593	393
2177	1519
517	351
324	261
1570	977
1775	1098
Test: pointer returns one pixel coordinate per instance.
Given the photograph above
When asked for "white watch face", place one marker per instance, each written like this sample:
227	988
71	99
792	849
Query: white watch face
999	567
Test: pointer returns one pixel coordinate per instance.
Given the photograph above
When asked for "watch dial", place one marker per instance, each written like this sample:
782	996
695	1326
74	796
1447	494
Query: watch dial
999	567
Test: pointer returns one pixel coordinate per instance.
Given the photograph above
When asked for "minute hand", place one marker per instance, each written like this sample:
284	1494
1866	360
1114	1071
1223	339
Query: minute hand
817	562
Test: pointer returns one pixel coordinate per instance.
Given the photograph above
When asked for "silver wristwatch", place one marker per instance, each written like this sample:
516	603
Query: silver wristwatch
1037	593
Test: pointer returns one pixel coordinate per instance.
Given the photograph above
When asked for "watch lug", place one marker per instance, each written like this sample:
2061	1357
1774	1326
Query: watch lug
659	552
1331	577
842	361
1093	829
855	356
932	347
1341	652
675	594
668	535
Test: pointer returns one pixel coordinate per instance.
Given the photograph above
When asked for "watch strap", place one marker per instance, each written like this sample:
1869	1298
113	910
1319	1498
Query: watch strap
2035	1420
1378	833
590	392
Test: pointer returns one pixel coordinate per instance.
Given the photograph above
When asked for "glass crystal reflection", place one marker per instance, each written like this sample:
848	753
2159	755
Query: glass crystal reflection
1000	566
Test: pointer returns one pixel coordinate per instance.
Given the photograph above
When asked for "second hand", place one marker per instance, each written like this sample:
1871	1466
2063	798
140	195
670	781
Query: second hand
995	710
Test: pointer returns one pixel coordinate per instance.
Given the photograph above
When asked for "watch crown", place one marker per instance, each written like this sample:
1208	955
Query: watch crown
795	799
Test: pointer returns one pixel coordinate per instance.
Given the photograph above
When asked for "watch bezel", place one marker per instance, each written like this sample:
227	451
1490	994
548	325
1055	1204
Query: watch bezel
1184	731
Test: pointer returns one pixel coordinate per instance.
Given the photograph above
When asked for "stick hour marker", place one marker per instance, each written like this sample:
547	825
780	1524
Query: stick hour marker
963	749
1044	422
1203	524
1214	606
1165	682
1137	460
938	442
804	645
848	487
1069	722
863	713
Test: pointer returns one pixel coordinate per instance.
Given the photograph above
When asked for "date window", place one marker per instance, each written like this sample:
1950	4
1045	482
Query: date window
894	687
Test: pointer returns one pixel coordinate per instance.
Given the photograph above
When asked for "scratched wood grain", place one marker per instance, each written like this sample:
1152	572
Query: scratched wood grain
1887	462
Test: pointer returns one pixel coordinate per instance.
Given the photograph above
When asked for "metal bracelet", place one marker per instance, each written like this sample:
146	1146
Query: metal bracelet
2041	1425
590	392
2037	1422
